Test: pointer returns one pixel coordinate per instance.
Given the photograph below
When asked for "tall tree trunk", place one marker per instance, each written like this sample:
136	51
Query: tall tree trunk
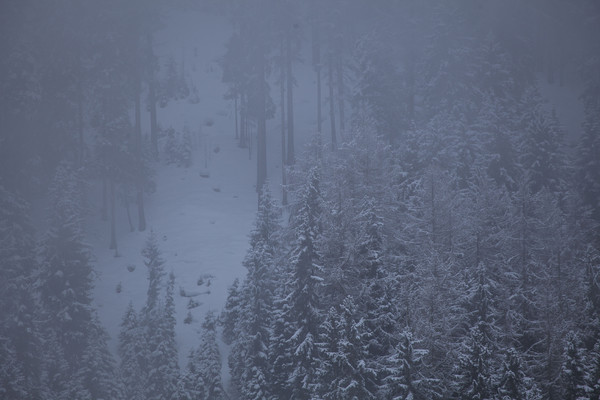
318	69
283	158
152	101
113	234
340	84
243	123
104	209
128	210
80	156
261	134
290	100
316	58
138	150
331	101
235	109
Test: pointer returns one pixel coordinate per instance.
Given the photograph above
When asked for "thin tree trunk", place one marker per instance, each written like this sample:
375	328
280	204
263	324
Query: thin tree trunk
104	209
113	234
290	101
433	224
261	136
243	121
127	208
235	108
318	99
152	101
138	143
316	59
283	158
340	84
331	102
80	158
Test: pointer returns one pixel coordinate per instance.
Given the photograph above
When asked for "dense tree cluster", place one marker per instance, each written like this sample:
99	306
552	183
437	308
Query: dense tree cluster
448	247
439	238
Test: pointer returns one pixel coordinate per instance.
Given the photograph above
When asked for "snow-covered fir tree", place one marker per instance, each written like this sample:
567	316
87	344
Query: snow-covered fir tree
257	293
513	384
20	374
304	313
204	368
573	371
132	352
343	371
405	378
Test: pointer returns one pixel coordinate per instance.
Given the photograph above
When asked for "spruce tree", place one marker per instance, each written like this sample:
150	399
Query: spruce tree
474	375
343	371
406	377
65	276
97	374
573	372
20	336
304	313
132	352
257	295
158	322
208	360
513	383
231	314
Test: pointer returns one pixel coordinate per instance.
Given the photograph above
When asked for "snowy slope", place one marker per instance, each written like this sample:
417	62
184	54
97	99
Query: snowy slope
202	223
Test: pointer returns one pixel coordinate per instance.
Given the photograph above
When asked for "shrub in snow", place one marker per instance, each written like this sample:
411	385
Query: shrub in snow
178	148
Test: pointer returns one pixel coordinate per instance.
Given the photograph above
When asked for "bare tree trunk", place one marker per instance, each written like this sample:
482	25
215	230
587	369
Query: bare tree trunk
235	109
113	234
104	209
340	84
138	148
127	209
290	100
80	156
316	59
318	99
331	102
152	101
283	158
261	135
243	121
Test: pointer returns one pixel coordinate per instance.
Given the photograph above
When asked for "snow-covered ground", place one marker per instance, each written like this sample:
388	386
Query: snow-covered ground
202	223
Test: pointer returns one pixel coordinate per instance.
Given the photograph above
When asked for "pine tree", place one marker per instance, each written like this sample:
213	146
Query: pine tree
541	148
20	344
190	386
132	351
158	322
573	372
155	263
405	377
164	372
377	304
255	319
304	312
343	371
65	277
208	360
592	378
588	166
231	314
513	383
474	376
280	352
97	372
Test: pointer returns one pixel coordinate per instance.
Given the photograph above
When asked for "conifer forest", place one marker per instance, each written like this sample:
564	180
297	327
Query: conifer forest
299	199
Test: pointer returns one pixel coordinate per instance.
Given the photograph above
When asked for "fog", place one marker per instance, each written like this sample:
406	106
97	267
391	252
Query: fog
299	199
